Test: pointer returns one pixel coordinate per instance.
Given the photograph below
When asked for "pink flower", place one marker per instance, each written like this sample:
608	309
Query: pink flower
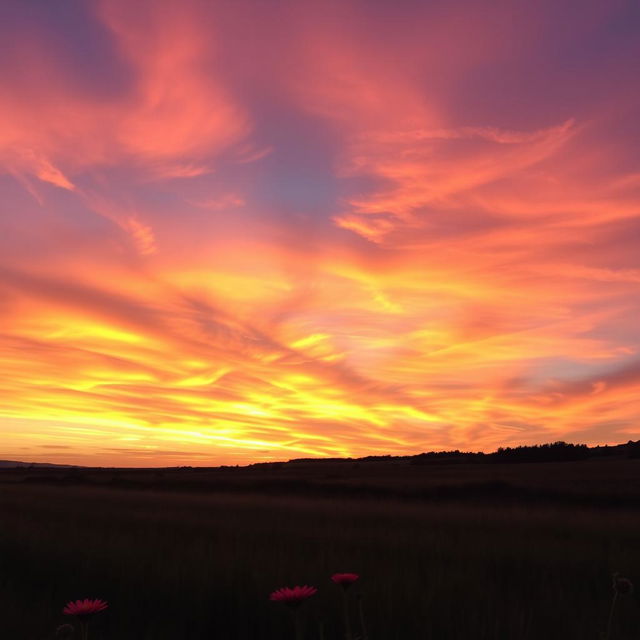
293	597
345	580
84	608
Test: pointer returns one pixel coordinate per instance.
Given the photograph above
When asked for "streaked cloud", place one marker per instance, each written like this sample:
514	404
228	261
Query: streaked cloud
236	232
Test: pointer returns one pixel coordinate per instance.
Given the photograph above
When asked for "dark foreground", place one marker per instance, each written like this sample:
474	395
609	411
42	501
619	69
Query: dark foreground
199	563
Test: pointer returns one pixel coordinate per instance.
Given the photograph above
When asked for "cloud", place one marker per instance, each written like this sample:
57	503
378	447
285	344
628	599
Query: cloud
332	229
178	109
44	170
170	120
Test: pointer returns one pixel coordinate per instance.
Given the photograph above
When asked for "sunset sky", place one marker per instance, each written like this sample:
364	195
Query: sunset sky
243	231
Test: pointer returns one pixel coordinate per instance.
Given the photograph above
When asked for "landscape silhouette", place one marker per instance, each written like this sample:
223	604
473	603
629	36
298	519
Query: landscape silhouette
526	542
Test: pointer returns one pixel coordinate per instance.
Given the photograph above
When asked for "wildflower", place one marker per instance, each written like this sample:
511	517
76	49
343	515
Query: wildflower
65	631
345	580
293	597
83	609
621	585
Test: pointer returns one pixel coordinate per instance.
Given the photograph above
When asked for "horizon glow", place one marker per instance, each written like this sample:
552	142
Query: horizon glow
241	232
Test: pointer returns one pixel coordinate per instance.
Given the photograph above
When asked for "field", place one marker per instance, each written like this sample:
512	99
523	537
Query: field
445	552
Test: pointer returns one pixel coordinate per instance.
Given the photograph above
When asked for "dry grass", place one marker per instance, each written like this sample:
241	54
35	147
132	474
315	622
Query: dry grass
182	566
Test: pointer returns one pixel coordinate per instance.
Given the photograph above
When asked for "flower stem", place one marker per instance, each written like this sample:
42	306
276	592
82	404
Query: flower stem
347	620
363	627
297	623
611	610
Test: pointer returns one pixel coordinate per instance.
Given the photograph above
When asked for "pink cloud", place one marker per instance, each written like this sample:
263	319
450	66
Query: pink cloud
317	229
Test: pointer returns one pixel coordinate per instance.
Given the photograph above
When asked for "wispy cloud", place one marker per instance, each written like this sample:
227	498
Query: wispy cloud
330	229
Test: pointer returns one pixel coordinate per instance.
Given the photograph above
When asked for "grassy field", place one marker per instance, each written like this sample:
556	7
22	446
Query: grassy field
593	482
184	565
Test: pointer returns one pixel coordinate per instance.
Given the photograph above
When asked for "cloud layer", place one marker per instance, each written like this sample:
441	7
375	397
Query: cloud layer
248	231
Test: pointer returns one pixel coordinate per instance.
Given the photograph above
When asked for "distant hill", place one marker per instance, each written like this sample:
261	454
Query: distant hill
13	464
550	452
555	474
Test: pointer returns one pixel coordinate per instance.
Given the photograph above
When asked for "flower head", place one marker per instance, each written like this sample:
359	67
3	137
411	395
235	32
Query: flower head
84	608
345	580
293	596
622	585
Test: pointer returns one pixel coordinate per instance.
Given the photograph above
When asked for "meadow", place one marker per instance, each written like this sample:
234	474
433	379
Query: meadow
180	560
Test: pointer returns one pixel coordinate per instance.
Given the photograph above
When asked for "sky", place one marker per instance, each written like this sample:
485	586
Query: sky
235	232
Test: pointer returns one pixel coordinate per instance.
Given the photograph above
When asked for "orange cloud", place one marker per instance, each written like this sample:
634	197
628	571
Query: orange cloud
172	117
325	230
179	108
